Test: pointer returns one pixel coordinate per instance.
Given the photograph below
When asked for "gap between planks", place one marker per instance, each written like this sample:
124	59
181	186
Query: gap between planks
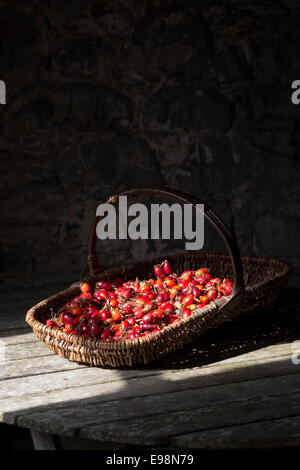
14	371
155	389
273	433
160	428
153	418
29	346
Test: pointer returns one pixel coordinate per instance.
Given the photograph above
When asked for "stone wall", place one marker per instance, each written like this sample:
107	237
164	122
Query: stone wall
103	95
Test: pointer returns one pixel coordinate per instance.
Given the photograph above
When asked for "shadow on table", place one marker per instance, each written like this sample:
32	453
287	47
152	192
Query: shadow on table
216	408
212	410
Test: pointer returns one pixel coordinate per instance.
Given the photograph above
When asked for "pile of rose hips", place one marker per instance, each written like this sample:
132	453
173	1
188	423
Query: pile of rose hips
116	310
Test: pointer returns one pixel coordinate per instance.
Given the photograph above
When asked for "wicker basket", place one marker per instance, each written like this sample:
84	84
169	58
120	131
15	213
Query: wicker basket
257	283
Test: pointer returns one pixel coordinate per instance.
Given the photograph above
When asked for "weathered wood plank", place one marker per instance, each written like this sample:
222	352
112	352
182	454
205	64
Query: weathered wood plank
16	321
36	366
23	335
31	367
66	387
29	392
100	408
142	406
276	433
42	441
13	312
276	350
159	429
15	352
79	381
87	376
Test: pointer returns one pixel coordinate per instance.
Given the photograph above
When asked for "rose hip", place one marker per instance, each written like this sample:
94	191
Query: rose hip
86	295
124	325
211	294
170	283
128	308
167	306
201	271
105	315
147	326
196	291
138	312
158	314
175	291
114	303
134	335
163	297
85	328
106	334
131	321
104	285
68	327
101	294
159	285
201	280
227	289
115	310
187	300
203	299
186	276
167	268
159	271
186	312
147	306
116	314
67	317
96	330
85	287
172	318
117	282
148	318
118	335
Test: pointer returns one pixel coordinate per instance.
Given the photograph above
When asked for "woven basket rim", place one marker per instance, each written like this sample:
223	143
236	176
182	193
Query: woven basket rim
286	267
133	343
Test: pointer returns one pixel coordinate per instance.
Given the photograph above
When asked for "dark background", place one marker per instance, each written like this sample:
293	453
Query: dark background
103	95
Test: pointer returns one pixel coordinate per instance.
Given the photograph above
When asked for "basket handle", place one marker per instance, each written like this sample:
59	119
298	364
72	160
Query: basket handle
217	223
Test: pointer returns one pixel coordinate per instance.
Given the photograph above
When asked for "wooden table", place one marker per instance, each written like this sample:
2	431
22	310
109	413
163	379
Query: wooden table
237	387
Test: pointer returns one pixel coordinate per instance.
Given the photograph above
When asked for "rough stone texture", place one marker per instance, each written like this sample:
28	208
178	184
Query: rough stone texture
103	95
182	108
